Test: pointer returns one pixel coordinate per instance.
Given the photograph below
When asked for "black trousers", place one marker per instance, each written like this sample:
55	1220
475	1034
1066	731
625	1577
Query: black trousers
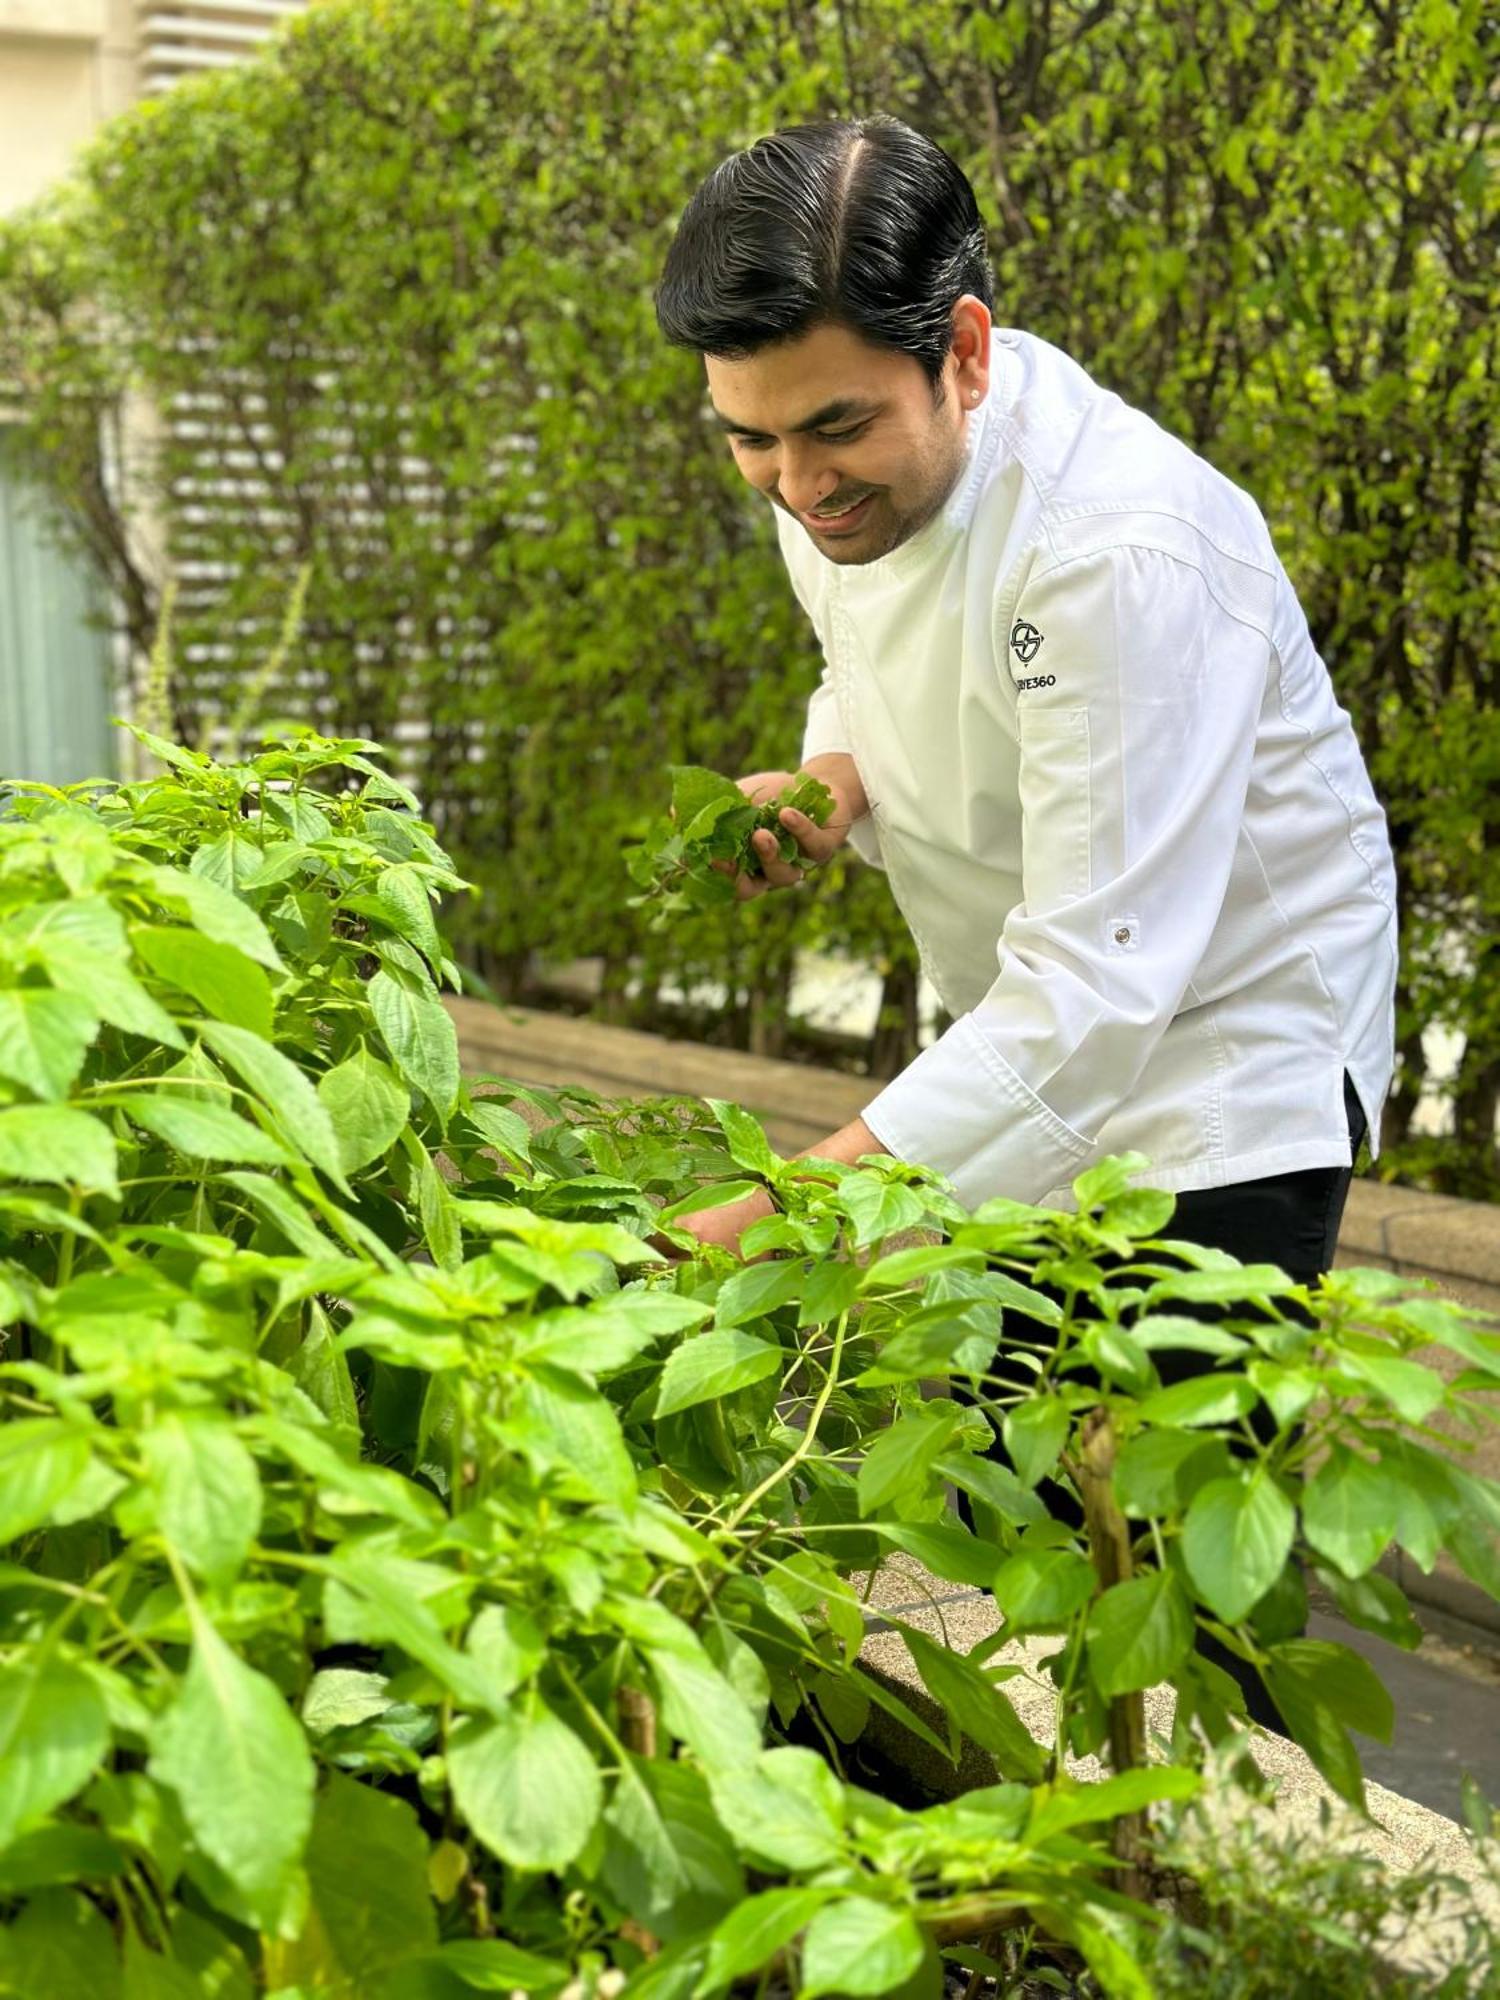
1287	1219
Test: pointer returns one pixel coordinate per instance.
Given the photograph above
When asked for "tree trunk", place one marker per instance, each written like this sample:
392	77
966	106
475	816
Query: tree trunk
1401	1105
1109	1547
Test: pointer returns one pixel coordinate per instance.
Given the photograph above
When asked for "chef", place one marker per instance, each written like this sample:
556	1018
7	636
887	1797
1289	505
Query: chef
1069	704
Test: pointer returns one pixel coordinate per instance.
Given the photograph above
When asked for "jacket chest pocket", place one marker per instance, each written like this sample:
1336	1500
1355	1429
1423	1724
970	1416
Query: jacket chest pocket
1056	807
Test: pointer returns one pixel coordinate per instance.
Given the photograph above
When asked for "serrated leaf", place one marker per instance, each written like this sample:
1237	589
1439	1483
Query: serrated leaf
202	1130
227	985
1139	1633
1350	1510
902	1459
745	1138
207	1492
283	1089
54	1732
58	1146
41	1461
232	1752
369	1901
215	912
366	1106
44	1037
714	1364
1035	1433
858	1946
1235	1541
526	1785
419	1034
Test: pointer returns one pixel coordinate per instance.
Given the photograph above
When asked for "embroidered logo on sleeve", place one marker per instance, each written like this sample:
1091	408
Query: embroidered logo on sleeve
1025	641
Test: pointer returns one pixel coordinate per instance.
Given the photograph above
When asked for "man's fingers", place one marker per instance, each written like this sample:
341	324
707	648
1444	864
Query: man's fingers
817	842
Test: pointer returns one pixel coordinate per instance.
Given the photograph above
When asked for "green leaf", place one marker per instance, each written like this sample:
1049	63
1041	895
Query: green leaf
284	1090
975	1707
951	1553
215	912
1207	1399
745	1138
81	944
1038	1589
609	1333
234	1755
526	1785
54	1732
1223	1285
858	1946
55	1854
994	1486
1159	1471
1375	1604
370	1907
1320	1733
668	1860
44	1037
714	1364
202	1130
59	1146
341	1697
41	1461
402	893
701	1708
226	984
1035	1434
1235	1540
1108	1180
570	1428
746	1941
419	1034
902	1459
1412	1390
366	1106
1139	1633
1350	1508
207	1492
500	1127
484	1965
787	1811
756	1290
1345	1683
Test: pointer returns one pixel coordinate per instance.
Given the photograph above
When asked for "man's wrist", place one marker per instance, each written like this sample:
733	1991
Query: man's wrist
848	1145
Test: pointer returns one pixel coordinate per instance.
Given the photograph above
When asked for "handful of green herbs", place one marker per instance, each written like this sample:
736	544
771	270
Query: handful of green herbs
711	821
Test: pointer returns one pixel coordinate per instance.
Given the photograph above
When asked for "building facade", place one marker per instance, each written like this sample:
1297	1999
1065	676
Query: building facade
67	66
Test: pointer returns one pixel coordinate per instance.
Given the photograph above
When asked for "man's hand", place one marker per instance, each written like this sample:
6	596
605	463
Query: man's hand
817	843
724	1225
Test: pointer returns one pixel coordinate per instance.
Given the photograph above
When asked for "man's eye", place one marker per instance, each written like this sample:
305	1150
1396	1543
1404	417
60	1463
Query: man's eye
748	443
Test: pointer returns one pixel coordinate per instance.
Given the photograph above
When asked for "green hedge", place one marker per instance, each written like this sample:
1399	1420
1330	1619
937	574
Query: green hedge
411	252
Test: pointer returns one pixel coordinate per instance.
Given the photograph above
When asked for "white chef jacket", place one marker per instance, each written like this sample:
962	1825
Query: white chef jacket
1118	805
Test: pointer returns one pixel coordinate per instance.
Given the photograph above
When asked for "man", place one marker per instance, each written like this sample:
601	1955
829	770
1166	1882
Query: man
1069	703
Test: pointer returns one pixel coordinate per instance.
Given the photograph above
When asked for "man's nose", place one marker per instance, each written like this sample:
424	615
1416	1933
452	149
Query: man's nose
805	479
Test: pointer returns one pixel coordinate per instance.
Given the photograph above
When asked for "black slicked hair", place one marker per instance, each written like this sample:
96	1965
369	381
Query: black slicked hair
861	223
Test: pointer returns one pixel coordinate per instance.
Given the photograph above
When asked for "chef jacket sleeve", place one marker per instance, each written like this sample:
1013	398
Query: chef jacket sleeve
1137	732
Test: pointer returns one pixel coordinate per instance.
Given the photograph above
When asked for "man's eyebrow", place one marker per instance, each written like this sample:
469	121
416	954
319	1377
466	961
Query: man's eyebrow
831	413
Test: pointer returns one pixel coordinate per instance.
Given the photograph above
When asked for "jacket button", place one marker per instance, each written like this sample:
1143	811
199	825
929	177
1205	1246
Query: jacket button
1122	935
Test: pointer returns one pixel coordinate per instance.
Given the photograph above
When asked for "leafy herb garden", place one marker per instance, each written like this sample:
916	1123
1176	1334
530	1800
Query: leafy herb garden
431	1572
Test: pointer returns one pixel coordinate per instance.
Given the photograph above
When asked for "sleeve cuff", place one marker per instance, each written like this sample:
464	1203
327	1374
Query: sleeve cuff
961	1109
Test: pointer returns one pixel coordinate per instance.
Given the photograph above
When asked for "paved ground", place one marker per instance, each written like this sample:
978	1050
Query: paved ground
1447	1716
1447	1702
